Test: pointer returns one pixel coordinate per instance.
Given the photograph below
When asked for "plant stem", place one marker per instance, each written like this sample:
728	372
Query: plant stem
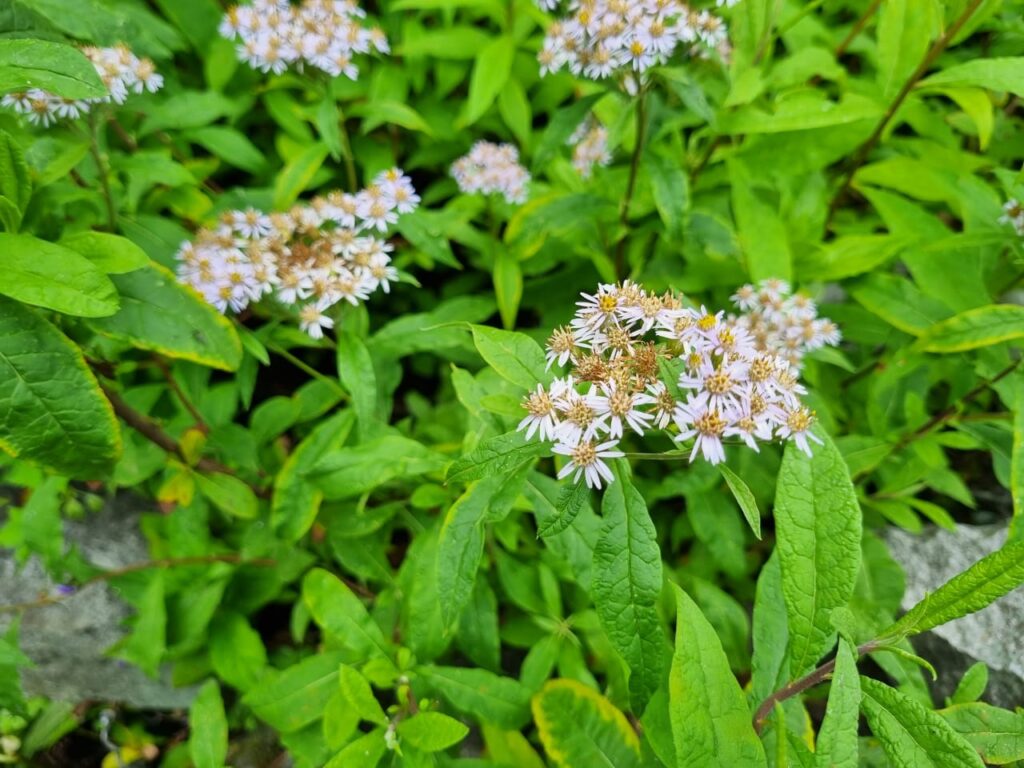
102	171
182	397
305	367
811	679
634	170
858	27
346	153
869	144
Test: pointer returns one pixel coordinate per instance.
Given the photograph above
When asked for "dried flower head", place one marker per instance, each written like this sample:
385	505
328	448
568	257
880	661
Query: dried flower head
273	35
121	71
639	361
492	169
313	256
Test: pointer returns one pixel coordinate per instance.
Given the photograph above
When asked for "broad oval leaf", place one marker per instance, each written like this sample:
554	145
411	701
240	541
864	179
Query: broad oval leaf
996	74
112	254
910	733
336	608
501	454
295	697
580	727
55	67
627	585
980	327
51	408
349	472
818	529
160	314
488	697
432	731
983	583
490	73
52	276
514	356
997	734
710	719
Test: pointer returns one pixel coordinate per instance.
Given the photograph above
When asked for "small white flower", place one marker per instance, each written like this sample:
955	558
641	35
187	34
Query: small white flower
313	320
586	458
542	417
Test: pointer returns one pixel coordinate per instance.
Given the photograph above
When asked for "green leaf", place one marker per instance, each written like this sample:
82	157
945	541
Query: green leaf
345	473
912	735
55	67
208	738
972	685
514	356
837	741
1017	463
237	653
335	608
849	255
580	727
711	722
561	127
979	327
448	43
761	231
490	73
514	107
296	500
508	286
744	497
229	145
801	114
996	734
229	494
571	500
365	752
146	644
112	254
671	188
996	74
328	119
15	183
980	585
293	179
431	731
485	696
904	31
627	585
51	407
899	302
295	697
386	111
160	314
355	370
359	695
496	455
188	109
52	276
818	528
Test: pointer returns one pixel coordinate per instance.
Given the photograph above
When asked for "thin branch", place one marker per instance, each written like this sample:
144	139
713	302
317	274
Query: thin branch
182	397
858	157
858	27
791	689
634	170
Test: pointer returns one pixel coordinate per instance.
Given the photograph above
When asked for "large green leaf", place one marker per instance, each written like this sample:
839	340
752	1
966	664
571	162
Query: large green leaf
818	529
484	695
762	233
336	608
515	356
997	734
51	408
490	73
55	67
912	735
49	275
111	253
293	179
208	739
710	719
15	183
627	585
975	328
580	727
983	583
348	472
899	302
355	370
501	454
295	697
996	74
837	742
160	314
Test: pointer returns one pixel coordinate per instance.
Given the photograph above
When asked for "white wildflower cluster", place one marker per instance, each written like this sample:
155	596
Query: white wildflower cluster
492	169
639	361
783	322
1013	213
590	147
121	71
600	37
325	34
312	257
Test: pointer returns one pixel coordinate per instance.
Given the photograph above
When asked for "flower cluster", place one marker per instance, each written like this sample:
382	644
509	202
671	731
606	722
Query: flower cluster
783	322
600	37
640	362
326	34
121	71
590	147
313	256
1013	213
492	169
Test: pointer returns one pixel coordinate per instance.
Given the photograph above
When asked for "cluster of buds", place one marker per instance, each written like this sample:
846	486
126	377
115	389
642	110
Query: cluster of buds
1013	213
492	169
121	71
601	37
590	147
311	257
639	361
783	322
325	34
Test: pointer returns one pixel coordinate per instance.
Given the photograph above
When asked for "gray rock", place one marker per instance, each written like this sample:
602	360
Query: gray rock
68	640
994	635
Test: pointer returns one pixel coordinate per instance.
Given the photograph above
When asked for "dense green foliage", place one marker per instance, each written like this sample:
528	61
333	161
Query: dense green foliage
352	545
